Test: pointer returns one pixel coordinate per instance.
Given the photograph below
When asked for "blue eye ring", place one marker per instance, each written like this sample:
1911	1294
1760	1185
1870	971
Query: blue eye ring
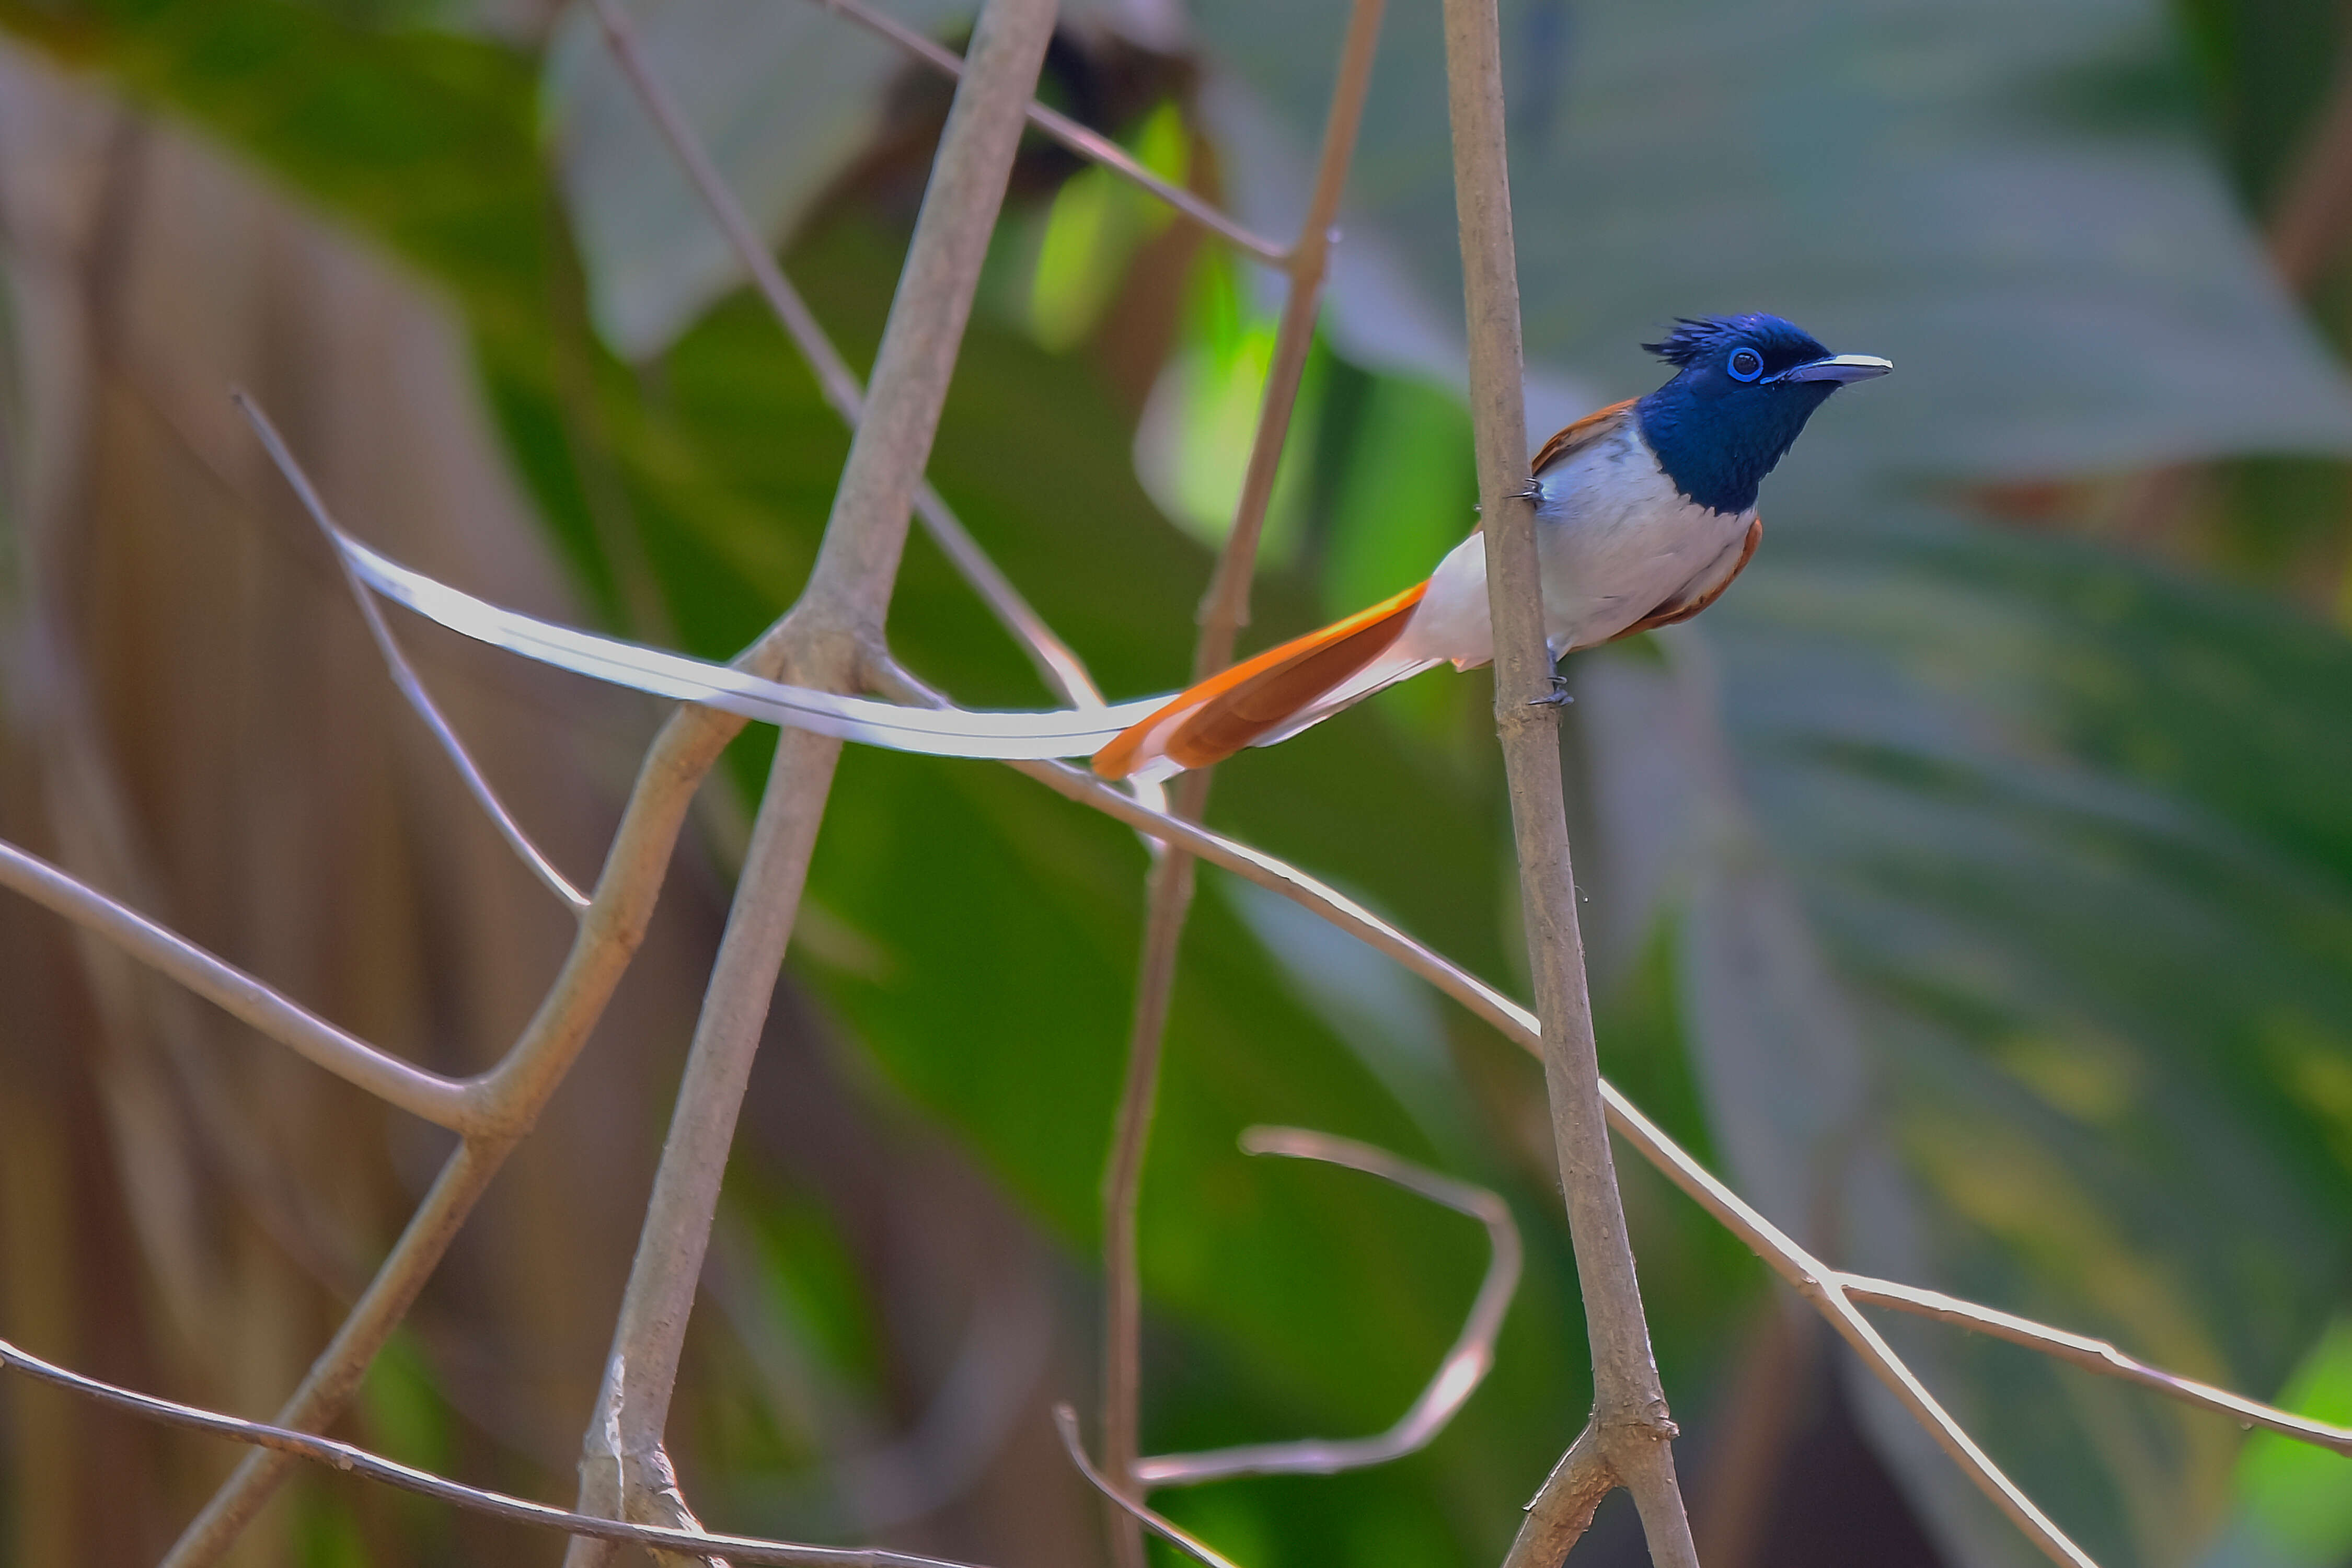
1745	364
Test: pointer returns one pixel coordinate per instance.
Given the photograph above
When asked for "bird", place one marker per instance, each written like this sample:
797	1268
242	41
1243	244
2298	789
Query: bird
1645	511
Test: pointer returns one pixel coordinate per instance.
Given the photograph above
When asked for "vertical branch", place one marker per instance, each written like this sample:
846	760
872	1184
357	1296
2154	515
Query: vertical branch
831	637
1167	902
1628	1419
1224	609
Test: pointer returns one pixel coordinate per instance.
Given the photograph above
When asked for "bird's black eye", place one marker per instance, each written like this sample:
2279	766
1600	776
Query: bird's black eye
1746	364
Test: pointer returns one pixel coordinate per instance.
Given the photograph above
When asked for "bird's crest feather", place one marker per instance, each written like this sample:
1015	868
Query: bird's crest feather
1695	335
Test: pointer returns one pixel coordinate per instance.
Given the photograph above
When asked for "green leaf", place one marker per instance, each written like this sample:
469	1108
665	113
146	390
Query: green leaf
2295	1501
781	95
2062	287
2067	830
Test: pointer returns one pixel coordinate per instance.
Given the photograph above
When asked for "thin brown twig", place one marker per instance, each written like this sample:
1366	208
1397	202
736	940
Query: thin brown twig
1225	607
334	1375
1169	899
446	1103
833	633
1458	1374
1066	1421
1822	1287
2095	1356
1562	1510
351	1460
1630	1418
1062	669
403	676
1085	144
1812	1279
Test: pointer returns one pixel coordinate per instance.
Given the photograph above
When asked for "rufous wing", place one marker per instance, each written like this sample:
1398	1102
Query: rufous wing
1286	688
1580	435
1259	697
1696	596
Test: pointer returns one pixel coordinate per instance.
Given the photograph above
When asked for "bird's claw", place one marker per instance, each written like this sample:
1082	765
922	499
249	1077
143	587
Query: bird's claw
1532	492
1559	696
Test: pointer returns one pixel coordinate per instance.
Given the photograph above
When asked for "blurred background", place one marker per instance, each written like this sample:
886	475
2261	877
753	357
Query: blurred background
1972	887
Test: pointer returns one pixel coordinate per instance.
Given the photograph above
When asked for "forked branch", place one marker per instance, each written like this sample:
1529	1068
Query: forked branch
508	1098
2094	1355
833	635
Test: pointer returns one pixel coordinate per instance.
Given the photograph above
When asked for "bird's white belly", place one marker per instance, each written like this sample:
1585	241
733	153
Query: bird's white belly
1615	541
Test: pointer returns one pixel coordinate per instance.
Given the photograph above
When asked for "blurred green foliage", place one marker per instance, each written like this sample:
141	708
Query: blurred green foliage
2001	887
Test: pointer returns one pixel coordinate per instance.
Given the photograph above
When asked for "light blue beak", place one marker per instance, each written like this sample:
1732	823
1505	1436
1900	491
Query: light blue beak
1840	368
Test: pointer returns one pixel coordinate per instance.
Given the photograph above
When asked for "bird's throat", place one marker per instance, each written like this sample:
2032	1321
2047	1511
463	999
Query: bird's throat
1717	450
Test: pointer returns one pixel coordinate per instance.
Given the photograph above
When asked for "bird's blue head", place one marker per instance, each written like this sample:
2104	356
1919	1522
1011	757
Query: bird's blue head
1743	388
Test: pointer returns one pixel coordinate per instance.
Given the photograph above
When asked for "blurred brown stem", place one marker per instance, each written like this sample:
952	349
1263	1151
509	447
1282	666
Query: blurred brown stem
1748	1453
1224	610
1087	144
1167	901
623	1448
2314	211
2308	226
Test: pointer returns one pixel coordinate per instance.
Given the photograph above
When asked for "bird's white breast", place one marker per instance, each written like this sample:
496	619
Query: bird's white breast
1615	541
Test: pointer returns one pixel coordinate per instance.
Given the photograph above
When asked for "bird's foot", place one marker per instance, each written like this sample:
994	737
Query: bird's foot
1559	696
1532	492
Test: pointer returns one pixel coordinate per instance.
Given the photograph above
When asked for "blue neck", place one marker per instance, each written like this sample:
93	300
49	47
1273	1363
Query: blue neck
1717	446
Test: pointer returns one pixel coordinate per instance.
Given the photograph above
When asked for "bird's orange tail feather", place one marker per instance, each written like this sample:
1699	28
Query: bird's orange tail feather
1259	697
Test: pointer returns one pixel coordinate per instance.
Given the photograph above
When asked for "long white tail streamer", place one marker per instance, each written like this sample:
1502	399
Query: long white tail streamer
938	731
